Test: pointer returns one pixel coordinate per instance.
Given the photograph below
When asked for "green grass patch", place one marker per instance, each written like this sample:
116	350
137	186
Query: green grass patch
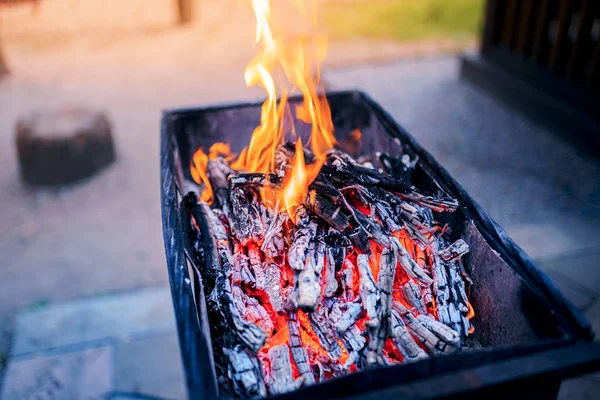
405	20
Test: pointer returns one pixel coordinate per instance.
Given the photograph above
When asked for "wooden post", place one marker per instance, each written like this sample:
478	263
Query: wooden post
185	11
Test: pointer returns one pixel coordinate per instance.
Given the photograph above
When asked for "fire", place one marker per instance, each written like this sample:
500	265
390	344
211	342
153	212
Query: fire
302	68
199	166
470	315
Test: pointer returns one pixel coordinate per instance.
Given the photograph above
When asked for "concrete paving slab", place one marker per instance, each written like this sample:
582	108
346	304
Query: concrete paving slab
582	267
87	374
151	367
141	312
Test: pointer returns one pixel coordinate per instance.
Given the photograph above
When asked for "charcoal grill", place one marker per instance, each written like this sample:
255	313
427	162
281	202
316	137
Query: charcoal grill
528	337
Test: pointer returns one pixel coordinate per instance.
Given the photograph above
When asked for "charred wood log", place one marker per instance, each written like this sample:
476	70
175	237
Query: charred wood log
455	251
430	341
348	319
404	342
218	171
256	179
410	266
299	353
412	295
245	373
369	293
440	330
327	211
245	216
324	331
281	379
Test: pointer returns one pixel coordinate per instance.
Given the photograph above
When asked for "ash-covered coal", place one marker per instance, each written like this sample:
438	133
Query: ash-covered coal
360	274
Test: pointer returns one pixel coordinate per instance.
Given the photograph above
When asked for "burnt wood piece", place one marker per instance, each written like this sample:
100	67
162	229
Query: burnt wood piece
246	222
346	276
299	353
281	379
248	334
412	294
440	330
435	203
326	210
251	310
218	171
432	343
245	373
61	147
273	245
410	266
304	233
322	327
255	262
256	179
441	290
273	287
348	319
385	282
455	251
332	264
404	342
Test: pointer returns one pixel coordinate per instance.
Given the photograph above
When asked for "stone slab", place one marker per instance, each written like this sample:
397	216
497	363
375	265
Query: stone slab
87	374
151	367
142	312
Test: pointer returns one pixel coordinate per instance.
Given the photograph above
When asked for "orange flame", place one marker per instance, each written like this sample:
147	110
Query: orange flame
470	315
199	166
302	69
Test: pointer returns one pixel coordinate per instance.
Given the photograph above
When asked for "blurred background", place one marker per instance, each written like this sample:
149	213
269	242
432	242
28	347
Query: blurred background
100	239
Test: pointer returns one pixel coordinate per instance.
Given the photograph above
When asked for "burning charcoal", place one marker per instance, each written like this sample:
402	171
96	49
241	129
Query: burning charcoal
303	235
342	168
327	211
281	379
331	284
247	277
410	266
248	333
412	295
273	287
359	239
273	245
256	265
245	217
439	204
374	229
347	277
369	293
441	289
218	170
325	188
251	309
307	289
440	330
299	353
348	318
404	342
244	371
455	251
379	334
354	341
431	342
256	179
324	331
